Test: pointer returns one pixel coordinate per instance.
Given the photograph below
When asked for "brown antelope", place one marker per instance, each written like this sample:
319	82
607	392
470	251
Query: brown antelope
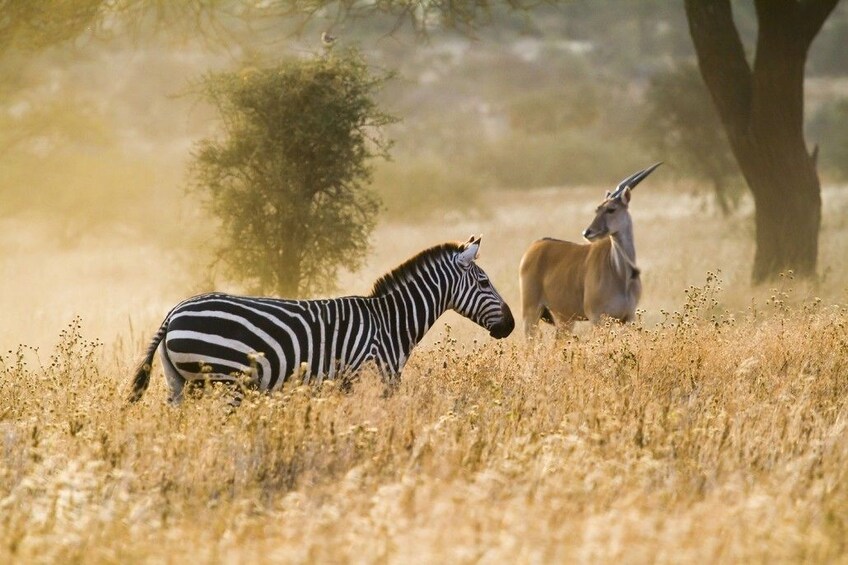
562	282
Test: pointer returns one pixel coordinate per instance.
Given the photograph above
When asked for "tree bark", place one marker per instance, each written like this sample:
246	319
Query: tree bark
762	110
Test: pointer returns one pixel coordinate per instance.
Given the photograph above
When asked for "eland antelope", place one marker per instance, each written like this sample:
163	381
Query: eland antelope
563	282
221	337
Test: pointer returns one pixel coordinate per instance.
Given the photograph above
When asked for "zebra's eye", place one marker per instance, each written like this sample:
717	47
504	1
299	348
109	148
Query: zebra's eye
484	283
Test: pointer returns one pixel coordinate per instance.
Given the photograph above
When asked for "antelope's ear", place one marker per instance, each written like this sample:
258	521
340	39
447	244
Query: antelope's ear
608	195
469	252
625	196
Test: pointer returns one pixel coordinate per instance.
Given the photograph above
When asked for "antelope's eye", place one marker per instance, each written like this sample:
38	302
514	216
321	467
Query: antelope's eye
484	283
610	210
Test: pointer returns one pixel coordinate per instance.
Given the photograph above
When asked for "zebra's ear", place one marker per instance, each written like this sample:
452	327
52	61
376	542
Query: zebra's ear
469	252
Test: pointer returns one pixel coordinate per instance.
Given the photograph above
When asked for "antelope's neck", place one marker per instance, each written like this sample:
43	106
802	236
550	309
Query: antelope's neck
623	254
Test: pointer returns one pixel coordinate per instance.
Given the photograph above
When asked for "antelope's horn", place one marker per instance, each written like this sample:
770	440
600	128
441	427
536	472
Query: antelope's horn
634	179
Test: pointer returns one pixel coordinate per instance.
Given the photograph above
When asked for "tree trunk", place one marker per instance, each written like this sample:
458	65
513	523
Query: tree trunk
762	110
788	217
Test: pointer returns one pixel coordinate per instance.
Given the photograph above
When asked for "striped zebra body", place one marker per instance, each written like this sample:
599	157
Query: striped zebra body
222	337
269	339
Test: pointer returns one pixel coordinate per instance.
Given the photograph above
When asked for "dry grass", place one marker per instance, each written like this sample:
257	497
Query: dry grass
715	432
706	438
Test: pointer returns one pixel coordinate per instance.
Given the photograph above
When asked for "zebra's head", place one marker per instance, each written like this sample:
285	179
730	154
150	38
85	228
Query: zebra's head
474	296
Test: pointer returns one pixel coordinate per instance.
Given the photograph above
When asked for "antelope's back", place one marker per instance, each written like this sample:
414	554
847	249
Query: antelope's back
555	270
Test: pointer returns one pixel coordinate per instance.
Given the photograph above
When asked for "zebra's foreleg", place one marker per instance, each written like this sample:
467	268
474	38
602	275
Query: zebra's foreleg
390	378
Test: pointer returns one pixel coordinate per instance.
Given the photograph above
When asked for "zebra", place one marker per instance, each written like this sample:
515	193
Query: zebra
228	338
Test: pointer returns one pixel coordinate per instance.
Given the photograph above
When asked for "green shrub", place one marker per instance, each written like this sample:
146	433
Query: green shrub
288	175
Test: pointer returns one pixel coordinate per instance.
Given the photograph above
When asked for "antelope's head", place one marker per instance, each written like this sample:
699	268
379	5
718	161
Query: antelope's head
474	296
612	216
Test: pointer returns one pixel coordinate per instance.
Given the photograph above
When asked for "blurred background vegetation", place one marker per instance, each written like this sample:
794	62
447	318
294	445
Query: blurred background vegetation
99	115
288	175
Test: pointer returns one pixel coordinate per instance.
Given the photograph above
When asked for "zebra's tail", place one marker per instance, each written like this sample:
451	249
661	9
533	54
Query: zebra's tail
142	373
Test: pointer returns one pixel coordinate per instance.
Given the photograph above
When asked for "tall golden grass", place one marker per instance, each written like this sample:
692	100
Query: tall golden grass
707	437
715	429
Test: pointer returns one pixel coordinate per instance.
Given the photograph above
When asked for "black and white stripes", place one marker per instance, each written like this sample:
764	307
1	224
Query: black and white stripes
222	337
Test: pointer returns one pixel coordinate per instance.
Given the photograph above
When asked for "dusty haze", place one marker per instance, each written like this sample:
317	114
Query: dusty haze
712	430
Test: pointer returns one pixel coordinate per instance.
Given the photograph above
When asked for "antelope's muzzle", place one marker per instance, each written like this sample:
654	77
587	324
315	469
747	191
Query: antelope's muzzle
505	326
592	235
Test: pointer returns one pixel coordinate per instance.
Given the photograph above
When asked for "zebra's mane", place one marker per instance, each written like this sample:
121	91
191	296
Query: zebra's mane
399	274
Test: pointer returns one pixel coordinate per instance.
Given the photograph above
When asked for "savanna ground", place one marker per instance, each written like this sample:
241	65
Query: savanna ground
715	429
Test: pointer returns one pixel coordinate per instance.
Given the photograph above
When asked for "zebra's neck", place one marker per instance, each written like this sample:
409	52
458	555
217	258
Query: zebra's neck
406	312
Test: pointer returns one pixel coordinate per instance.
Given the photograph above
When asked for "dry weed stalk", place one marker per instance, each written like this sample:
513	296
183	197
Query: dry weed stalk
708	437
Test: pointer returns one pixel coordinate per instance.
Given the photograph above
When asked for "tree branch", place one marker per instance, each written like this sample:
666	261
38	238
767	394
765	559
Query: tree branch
721	59
813	15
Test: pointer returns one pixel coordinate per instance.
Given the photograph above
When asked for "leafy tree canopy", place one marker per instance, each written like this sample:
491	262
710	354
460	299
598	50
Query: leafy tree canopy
287	176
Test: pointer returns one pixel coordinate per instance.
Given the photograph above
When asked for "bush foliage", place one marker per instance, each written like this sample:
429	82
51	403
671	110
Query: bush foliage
287	177
682	123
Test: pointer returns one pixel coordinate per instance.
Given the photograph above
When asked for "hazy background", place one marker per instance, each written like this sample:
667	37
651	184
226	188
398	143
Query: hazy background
514	132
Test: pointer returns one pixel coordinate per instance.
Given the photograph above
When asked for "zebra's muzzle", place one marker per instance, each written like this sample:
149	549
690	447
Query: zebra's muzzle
505	326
